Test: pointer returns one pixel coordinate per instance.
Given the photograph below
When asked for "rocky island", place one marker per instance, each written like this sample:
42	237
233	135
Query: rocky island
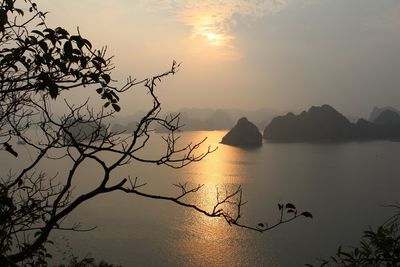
243	134
84	131
325	123
387	118
376	111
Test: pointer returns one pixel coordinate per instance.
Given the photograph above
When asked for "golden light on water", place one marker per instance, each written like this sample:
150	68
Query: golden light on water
217	168
212	241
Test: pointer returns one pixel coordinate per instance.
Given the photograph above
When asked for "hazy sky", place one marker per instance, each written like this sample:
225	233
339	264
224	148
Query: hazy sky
283	54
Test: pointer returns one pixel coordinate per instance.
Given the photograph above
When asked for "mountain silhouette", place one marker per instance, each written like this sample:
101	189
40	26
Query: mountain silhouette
325	123
243	134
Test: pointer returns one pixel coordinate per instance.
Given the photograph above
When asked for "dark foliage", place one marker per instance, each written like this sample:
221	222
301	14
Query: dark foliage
378	248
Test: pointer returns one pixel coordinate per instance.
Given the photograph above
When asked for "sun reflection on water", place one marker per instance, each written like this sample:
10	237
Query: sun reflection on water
219	168
209	241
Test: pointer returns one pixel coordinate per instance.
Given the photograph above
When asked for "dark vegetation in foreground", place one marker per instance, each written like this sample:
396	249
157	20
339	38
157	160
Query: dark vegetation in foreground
377	248
87	262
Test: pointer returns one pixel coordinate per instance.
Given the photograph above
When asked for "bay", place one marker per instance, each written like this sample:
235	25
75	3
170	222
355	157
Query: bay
344	185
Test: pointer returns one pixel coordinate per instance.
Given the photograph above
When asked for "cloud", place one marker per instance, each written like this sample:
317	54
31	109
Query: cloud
214	19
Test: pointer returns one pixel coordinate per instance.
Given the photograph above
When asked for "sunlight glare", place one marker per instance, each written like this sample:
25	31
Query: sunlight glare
211	36
214	39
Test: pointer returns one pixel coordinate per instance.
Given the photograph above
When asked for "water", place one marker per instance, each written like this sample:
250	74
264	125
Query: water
344	185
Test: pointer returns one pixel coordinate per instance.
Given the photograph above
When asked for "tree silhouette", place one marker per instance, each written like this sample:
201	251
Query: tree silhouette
39	63
379	247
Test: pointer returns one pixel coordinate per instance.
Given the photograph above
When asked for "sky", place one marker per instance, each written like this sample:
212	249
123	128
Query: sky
249	54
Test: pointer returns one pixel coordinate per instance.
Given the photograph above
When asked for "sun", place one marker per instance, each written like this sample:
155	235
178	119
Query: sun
212	36
215	39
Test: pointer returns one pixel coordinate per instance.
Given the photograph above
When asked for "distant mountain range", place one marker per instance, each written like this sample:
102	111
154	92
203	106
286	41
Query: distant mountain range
218	120
194	119
319	123
325	123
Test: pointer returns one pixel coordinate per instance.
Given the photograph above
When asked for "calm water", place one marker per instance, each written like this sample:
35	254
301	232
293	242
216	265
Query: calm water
344	185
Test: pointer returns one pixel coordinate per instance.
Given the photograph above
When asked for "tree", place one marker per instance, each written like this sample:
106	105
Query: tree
380	247
39	63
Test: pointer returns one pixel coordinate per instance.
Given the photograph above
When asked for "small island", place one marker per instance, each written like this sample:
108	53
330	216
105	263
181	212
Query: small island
84	131
243	134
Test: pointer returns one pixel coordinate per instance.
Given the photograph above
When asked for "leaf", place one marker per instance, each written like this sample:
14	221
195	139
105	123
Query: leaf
19	11
38	32
115	95
86	42
49	31
290	206
100	60
116	107
68	48
62	32
83	61
307	214
43	45
53	90
76	52
9	4
106	78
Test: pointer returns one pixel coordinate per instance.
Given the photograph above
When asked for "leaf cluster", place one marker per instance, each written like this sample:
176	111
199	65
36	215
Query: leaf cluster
379	247
38	58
